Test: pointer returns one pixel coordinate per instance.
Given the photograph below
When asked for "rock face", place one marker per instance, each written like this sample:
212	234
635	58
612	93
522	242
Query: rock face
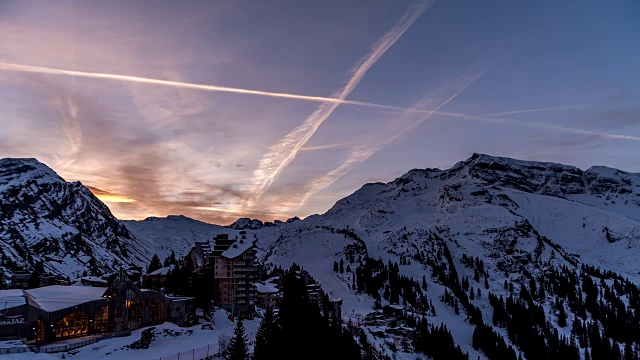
42	217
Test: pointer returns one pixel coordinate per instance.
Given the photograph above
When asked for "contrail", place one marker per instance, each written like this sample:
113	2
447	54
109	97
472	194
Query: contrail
144	80
365	151
524	111
282	153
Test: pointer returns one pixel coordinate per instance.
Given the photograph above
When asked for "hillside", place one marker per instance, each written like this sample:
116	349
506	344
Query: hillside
522	221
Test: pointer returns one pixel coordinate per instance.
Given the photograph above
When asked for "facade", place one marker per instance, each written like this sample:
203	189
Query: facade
234	274
59	312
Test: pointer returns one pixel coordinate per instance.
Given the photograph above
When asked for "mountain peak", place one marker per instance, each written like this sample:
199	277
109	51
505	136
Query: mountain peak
15	171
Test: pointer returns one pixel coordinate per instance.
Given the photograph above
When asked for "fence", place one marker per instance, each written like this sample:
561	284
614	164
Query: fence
67	347
197	353
14	350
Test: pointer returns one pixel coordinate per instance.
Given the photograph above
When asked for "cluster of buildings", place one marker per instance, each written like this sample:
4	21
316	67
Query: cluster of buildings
57	312
118	304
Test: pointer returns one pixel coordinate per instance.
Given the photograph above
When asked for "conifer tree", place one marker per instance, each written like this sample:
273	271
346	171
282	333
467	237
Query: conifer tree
171	259
238	349
154	265
267	336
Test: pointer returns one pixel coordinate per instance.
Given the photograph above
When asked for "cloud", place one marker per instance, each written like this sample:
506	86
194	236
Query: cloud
282	153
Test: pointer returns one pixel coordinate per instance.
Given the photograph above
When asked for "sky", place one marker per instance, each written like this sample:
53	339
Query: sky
272	109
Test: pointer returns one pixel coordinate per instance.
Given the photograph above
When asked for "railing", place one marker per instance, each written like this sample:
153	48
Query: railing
14	350
67	347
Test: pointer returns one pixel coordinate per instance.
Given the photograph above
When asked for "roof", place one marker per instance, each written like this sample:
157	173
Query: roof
11	298
238	248
58	297
122	276
163	271
94	279
266	288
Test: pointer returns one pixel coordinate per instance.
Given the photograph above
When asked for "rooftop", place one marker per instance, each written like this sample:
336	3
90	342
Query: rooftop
238	248
11	298
266	288
58	297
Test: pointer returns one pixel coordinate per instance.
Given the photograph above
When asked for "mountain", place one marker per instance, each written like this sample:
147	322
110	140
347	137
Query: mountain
174	233
485	223
43	217
512	257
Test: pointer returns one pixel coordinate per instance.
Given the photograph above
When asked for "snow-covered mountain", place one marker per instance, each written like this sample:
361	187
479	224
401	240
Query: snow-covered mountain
174	233
43	217
592	216
523	220
485	223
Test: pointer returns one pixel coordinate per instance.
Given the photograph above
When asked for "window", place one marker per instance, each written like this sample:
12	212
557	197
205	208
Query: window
101	319
134	310
72	325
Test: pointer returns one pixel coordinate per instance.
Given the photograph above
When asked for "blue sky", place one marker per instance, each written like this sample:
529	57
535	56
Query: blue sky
434	81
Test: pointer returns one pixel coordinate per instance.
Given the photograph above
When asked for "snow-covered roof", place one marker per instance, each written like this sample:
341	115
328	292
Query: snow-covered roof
238	248
58	297
163	271
94	279
266	288
11	298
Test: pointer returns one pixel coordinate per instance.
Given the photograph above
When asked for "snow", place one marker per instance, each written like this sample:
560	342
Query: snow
11	298
170	340
266	288
57	297
238	248
163	271
177	233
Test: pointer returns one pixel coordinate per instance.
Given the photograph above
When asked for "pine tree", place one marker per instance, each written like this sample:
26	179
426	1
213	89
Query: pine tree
267	337
154	265
238	349
171	259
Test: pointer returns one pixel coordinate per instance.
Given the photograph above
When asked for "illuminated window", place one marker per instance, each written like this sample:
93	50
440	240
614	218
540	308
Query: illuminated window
72	325
134	310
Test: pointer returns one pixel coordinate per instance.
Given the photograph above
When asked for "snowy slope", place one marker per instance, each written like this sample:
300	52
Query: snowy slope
513	215
174	233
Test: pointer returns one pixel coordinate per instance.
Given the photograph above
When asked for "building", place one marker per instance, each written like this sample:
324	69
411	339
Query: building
20	280
234	274
59	312
267	295
156	278
230	264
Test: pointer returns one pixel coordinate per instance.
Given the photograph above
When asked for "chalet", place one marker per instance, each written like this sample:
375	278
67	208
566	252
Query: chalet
267	295
157	278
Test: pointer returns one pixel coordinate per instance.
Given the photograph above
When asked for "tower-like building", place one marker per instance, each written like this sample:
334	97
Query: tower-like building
234	274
